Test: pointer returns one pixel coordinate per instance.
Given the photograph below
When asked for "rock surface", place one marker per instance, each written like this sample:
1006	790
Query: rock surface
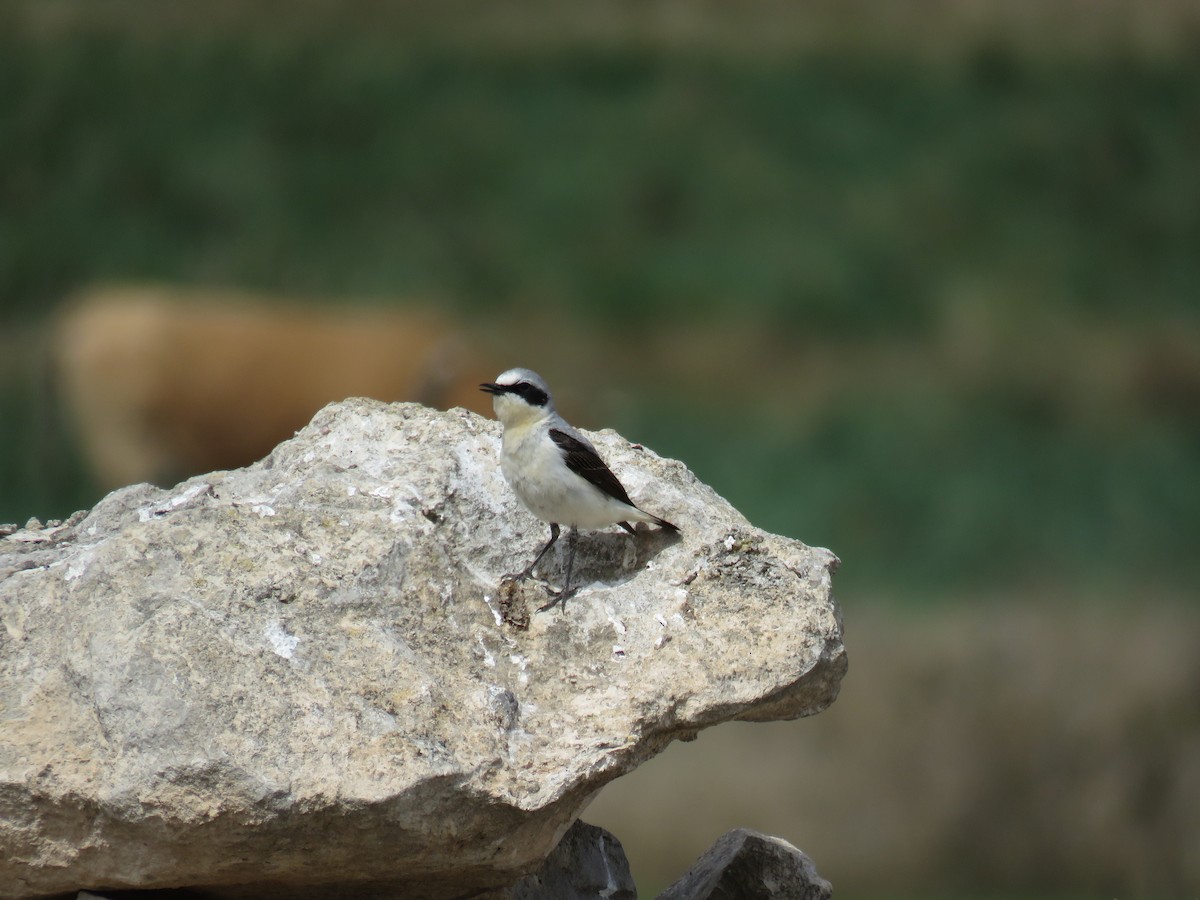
587	864
747	865
289	678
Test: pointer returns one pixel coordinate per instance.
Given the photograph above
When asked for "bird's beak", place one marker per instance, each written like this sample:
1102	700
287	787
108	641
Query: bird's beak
493	389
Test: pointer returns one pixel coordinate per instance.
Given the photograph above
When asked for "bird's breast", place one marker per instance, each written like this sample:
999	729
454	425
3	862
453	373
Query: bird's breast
534	466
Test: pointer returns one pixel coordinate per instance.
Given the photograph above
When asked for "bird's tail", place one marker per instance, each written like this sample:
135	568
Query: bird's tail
650	519
664	524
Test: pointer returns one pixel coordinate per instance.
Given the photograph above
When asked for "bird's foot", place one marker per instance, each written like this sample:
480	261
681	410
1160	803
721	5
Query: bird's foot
510	581
557	598
523	575
555	601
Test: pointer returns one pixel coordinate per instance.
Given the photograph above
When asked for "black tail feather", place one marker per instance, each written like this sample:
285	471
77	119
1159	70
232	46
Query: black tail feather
665	525
661	523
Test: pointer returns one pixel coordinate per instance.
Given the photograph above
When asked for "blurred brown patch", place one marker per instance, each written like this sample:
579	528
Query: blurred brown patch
162	383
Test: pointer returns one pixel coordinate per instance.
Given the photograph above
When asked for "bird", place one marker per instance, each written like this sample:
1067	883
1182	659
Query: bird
555	471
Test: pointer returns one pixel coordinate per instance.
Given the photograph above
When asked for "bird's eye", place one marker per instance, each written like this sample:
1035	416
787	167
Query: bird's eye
530	393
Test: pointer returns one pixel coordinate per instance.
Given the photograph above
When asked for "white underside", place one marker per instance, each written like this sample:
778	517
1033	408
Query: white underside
533	464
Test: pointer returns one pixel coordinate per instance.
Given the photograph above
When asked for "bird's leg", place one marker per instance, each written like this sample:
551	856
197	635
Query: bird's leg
561	596
528	570
572	541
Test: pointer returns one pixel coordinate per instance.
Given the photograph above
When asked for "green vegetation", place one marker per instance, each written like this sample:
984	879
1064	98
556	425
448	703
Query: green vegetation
966	499
849	195
828	198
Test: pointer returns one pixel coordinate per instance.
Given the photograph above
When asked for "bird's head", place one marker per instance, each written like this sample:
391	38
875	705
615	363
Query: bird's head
519	396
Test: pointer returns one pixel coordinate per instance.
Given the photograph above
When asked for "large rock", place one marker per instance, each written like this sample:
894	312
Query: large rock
302	674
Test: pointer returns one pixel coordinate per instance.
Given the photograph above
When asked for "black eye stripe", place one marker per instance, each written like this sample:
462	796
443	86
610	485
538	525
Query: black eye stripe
530	393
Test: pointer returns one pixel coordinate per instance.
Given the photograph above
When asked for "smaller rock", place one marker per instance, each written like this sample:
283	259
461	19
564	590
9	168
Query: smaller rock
587	863
514	610
747	864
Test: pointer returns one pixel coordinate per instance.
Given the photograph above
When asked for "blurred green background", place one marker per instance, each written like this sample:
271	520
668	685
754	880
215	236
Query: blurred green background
921	285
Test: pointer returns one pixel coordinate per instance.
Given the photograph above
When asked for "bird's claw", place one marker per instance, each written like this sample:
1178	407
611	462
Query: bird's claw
513	577
556	598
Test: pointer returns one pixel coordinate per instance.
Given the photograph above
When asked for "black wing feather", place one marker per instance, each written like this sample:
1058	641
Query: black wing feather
586	463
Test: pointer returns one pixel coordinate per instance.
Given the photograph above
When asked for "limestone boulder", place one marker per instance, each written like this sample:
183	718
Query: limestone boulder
303	676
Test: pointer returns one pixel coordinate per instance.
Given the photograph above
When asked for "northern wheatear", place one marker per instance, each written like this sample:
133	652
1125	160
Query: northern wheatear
555	470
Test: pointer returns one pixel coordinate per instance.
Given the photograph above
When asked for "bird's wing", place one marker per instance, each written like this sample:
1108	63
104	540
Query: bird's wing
582	459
